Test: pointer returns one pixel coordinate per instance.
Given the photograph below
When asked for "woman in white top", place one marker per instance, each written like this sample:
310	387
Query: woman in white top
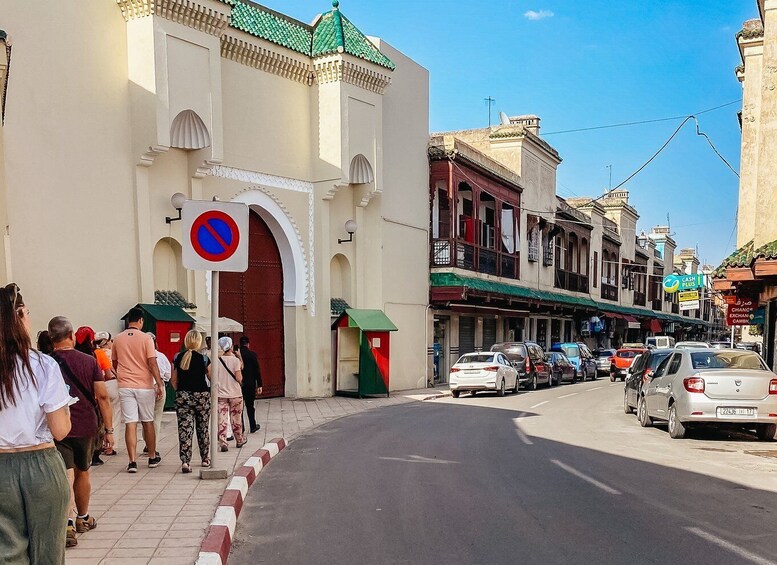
230	394
34	401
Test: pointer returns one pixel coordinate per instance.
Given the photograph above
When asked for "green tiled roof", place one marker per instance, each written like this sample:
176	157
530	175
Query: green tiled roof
742	257
332	33
483	285
337	306
172	298
768	251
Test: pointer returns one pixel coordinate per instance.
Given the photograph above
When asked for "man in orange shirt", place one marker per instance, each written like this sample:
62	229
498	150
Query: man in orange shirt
137	372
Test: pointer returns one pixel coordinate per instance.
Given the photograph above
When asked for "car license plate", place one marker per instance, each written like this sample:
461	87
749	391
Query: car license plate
724	411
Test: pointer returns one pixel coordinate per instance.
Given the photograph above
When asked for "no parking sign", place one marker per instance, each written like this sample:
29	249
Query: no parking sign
215	236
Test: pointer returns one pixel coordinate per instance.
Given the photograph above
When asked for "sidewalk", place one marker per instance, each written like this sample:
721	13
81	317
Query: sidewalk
159	516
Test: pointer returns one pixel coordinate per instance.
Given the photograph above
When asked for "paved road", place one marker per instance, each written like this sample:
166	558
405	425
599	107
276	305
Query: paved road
559	475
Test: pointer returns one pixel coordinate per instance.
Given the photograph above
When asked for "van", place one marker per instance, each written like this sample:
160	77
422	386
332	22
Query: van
660	342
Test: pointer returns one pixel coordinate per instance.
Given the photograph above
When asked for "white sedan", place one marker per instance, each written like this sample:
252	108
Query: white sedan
483	371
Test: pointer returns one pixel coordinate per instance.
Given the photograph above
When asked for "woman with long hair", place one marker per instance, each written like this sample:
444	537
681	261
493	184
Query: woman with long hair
192	400
34	400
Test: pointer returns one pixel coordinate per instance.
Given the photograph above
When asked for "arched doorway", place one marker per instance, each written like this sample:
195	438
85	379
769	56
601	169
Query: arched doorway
255	299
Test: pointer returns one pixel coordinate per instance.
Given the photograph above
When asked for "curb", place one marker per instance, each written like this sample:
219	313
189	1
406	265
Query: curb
215	547
436	396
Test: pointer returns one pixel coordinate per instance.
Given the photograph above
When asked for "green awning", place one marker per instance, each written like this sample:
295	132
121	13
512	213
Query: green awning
162	313
368	320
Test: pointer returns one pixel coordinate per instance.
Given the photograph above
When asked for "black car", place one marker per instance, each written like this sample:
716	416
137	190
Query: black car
529	359
640	373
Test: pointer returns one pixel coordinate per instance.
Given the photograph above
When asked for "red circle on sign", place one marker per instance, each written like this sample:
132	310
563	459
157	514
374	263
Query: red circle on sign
209	222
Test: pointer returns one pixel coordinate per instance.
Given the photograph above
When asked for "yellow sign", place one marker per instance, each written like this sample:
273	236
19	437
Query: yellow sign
688	295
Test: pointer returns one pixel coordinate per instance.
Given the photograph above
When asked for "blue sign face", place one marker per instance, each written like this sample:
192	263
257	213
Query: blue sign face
758	316
215	236
673	283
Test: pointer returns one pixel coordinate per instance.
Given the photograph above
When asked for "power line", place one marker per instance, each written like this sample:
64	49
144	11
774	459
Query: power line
640	122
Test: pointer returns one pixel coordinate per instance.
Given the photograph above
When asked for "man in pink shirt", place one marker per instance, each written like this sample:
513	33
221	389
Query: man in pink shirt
137	372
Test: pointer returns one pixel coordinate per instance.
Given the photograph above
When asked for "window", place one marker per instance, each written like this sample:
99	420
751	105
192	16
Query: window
596	267
476	358
571	350
662	368
727	360
674	364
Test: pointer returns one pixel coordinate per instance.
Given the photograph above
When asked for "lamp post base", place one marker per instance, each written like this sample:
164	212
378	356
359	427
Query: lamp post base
211	474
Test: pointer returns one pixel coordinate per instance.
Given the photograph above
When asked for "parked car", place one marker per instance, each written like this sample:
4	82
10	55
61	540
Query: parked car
483	371
624	357
639	373
660	342
720	345
692	345
561	368
603	360
528	358
698	387
580	356
749	346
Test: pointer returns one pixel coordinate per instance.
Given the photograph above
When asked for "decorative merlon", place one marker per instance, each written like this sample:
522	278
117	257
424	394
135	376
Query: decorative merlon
252	54
337	68
186	12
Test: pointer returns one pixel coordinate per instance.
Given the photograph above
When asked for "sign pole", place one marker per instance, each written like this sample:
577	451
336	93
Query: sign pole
732	336
215	472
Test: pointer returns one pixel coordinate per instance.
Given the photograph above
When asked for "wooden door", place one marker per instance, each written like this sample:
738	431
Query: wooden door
255	299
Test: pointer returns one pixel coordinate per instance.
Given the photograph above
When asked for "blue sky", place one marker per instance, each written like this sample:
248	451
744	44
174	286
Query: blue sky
580	64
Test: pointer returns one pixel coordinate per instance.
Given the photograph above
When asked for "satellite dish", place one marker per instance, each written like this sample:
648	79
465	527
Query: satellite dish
504	119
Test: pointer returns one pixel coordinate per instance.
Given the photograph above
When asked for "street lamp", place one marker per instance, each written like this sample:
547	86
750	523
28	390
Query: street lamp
350	228
177	200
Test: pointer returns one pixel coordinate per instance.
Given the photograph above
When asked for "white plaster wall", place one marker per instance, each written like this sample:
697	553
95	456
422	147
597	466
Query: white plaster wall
68	164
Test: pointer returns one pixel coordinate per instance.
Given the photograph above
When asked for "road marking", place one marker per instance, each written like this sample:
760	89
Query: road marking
521	435
568	395
578	474
617	384
538	405
418	459
743	553
595	388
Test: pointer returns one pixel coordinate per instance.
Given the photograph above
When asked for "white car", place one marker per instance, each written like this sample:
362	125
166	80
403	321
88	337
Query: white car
483	371
692	345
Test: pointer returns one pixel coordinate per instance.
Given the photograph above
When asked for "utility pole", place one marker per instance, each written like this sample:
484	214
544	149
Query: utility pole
490	102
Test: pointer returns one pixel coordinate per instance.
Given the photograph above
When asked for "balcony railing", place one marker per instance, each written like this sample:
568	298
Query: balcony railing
657	304
465	255
609	292
639	298
571	281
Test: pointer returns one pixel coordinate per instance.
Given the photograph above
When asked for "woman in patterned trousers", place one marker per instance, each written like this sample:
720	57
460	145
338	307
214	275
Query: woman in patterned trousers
192	400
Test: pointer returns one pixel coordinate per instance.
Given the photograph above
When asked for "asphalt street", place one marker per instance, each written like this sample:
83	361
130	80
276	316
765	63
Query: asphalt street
559	475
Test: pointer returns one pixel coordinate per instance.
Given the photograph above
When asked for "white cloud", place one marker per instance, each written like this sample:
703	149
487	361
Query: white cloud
535	15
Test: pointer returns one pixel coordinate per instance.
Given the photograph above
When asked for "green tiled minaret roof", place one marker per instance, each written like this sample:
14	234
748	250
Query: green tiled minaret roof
742	257
332	32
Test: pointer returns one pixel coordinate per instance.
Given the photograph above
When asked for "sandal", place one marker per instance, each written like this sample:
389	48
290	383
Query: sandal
206	462
185	468
241	444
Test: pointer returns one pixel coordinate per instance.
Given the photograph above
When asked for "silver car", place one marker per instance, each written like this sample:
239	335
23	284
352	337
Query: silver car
697	387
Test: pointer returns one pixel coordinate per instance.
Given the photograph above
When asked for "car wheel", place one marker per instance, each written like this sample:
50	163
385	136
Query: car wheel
644	420
585	375
626	408
517	383
501	391
612	378
473	392
765	432
550	380
456	393
533	385
595	375
676	427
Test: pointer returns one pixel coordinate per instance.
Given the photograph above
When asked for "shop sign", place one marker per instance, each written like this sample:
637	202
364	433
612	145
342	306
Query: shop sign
688	296
675	283
635	326
758	316
741	312
689	305
730	299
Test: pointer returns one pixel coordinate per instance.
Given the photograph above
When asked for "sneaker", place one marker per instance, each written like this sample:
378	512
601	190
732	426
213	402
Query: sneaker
132	467
85	524
96	461
70	538
145	449
154	461
224	448
254	428
230	438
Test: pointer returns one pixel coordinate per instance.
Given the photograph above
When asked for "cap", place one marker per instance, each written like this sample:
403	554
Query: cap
84	334
225	343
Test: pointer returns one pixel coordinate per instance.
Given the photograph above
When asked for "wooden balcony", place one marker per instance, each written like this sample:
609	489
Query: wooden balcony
464	255
609	292
568	280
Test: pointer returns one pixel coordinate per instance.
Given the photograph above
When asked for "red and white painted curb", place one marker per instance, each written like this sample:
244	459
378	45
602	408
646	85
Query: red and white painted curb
214	549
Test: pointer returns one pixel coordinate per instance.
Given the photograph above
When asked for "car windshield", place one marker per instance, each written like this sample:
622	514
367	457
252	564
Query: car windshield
604	353
571	350
692	345
626	354
727	360
476	358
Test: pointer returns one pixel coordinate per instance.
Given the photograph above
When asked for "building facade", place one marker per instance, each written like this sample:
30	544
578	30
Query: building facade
111	107
511	260
750	273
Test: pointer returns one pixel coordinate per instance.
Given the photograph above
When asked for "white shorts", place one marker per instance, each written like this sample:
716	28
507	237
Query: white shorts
137	404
